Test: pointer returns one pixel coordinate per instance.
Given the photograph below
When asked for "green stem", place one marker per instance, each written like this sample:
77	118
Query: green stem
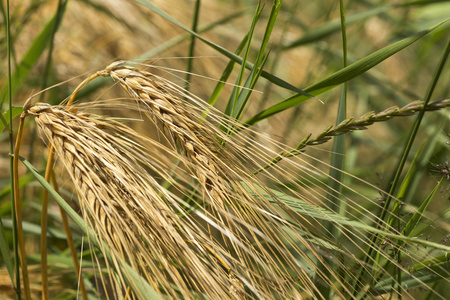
17	208
404	157
16	284
192	44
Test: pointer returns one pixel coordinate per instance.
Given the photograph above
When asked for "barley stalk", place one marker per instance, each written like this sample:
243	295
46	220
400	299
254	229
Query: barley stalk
106	175
218	175
219	234
119	201
350	125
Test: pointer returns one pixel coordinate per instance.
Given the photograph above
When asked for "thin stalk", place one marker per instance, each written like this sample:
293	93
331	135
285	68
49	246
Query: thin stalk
59	10
44	275
44	212
337	157
192	44
80	86
17	208
405	154
70	243
16	284
48	175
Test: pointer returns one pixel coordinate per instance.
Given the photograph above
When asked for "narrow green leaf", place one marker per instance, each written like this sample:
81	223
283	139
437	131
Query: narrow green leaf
134	280
34	229
342	75
338	152
415	219
226	73
416	278
331	27
317	212
244	95
30	58
5	116
221	49
232	105
5	252
190	54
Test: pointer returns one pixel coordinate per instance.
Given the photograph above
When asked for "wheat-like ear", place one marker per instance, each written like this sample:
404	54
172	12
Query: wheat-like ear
205	226
220	175
126	206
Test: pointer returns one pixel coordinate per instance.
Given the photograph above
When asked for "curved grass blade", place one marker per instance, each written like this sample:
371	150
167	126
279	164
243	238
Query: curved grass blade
342	75
236	107
318	212
329	28
425	273
5	117
226	73
334	191
232	104
415	219
222	50
6	253
191	50
98	83
338	152
134	280
30	58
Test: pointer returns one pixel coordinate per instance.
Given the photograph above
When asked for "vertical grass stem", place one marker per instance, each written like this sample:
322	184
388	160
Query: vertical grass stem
18	213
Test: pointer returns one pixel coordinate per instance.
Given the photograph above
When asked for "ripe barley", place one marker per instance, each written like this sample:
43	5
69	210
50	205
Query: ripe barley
205	225
127	207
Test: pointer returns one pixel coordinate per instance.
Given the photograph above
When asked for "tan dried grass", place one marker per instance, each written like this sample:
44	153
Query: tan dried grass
235	243
204	226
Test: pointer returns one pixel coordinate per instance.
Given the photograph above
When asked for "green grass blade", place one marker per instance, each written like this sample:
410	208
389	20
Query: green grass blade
5	117
136	282
425	273
338	153
240	94
322	31
226	73
30	58
415	219
190	55
222	50
231	105
5	252
342	75
8	95
255	73
317	212
334	190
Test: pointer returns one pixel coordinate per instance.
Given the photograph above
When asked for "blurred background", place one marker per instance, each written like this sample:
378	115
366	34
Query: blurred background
306	46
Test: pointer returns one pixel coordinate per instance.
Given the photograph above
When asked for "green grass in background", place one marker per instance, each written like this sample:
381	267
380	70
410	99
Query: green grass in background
286	65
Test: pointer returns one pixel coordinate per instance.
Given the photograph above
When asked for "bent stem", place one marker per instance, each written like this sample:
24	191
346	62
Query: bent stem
49	174
17	208
73	252
44	215
80	86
